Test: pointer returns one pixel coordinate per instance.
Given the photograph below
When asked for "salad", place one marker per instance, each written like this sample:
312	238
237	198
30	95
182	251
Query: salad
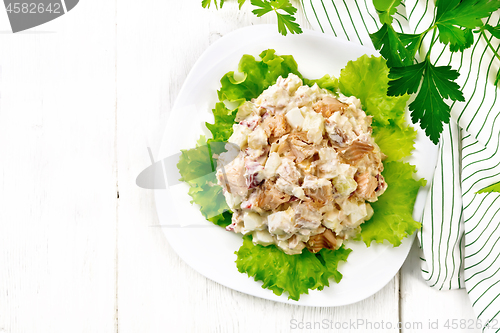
306	169
391	221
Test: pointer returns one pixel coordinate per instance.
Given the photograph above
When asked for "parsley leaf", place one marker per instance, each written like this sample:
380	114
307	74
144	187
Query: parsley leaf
443	6
264	7
284	10
492	188
286	22
385	9
466	13
207	3
428	107
459	39
495	31
399	49
406	80
455	19
444	77
454	23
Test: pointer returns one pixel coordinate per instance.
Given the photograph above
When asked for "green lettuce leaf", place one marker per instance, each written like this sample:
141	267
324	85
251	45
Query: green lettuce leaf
208	195
257	75
197	169
222	220
222	128
392	219
195	163
294	274
394	141
327	82
367	78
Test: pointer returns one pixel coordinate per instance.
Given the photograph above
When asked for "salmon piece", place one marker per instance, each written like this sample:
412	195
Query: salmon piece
295	242
338	137
308	166
301	147
322	194
269	197
328	105
297	145
283	147
356	151
325	240
307	217
367	185
231	177
276	126
319	190
288	171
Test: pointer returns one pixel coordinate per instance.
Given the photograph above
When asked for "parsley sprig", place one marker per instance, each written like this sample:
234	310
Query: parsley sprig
453	25
284	10
285	21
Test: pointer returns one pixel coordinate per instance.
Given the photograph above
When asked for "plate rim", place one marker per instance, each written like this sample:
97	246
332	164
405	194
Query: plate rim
407	242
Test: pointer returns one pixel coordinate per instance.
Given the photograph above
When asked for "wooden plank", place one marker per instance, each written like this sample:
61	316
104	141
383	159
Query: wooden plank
62	142
58	174
423	305
157	291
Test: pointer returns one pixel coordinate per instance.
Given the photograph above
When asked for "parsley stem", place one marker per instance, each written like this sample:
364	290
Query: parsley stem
489	44
433	41
423	34
432	27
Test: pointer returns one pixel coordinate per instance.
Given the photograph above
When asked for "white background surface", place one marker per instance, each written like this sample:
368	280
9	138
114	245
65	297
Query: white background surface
81	99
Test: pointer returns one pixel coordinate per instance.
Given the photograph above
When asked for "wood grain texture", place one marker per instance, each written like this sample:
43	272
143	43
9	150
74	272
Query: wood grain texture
156	289
58	175
422	304
78	108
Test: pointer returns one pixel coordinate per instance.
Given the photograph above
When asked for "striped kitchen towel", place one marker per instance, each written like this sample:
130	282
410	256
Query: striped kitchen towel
460	237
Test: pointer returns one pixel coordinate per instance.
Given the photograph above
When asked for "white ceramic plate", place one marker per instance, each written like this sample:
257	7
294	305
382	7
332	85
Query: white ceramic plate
210	249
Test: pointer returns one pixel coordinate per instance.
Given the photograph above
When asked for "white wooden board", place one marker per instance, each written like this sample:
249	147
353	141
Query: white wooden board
81	99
